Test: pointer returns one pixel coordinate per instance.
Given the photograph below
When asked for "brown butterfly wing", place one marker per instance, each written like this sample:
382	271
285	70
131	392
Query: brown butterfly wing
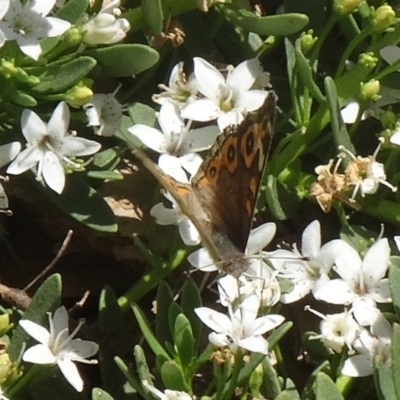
228	181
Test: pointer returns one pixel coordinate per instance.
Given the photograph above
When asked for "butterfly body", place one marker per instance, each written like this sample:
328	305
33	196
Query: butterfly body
221	198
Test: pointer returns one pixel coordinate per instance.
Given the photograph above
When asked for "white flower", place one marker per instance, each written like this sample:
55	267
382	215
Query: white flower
168	394
7	153
177	144
226	99
337	330
104	113
310	268
374	349
104	28
242	328
4	6
48	145
362	282
174	216
180	89
365	173
28	23
58	347
259	238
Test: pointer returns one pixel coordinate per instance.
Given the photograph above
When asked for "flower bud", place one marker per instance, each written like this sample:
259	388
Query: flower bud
345	6
388	119
4	324
307	41
368	60
384	16
105	29
78	95
370	90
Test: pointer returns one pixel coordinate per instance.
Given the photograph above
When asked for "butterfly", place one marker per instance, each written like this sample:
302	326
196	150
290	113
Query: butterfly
220	199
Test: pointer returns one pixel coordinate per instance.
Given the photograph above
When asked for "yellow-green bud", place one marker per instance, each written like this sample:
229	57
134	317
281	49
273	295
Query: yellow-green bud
4	323
72	38
6	367
368	60
256	380
7	68
384	16
78	95
307	41
370	90
388	119
345	6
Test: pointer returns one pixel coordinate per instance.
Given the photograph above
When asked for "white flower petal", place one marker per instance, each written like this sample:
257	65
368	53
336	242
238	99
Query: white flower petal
78	350
71	374
151	137
8	152
209	79
164	215
260	237
311	239
202	260
188	232
395	138
348	264
3	198
220	339
233	117
390	54
33	128
381	292
57	126
357	366
200	139
255	344
169	119
4	5
349	112
57	26
60	320
37	331
265	324
201	110
53	172
24	161
171	166
30	46
191	163
251	100
300	289
72	146
39	354
244	75
376	262
336	291
215	320
328	254
41	7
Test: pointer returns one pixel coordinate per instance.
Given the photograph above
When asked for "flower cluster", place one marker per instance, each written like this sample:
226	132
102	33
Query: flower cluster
362	174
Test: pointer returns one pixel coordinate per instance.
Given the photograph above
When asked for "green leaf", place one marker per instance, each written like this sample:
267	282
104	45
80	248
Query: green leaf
278	333
396	359
151	340
83	203
100	394
394	283
153	14
142	114
110	315
125	59
173	377
173	313
317	350
339	130
184	340
277	25
105	157
307	75
73	10
164	300
191	299
46	299
110	175
141	365
129	375
271	384
384	383
58	77
326	389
